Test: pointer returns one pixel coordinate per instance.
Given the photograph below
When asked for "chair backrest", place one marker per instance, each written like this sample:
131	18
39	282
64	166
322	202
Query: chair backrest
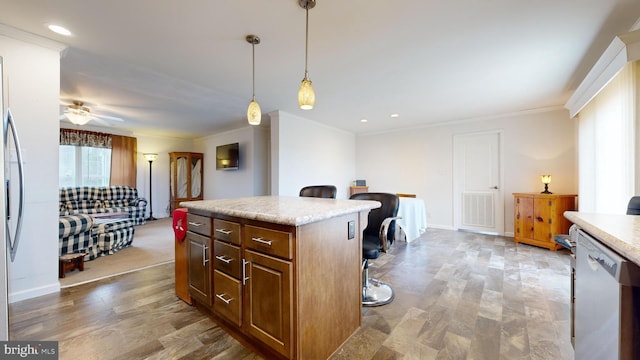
634	206
390	204
319	191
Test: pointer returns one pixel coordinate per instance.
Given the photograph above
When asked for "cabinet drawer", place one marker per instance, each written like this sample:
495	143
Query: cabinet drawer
227	301
199	224
227	258
268	241
226	231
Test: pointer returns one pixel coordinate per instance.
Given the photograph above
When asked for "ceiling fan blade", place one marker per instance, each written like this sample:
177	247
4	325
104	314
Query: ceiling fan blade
106	117
101	122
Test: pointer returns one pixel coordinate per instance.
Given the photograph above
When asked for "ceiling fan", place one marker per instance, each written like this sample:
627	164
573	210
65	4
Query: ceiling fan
79	114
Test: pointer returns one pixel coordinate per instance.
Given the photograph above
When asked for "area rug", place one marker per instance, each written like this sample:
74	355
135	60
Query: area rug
153	244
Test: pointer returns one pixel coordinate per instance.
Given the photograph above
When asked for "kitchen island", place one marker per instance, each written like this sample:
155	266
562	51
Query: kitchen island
621	233
281	274
606	285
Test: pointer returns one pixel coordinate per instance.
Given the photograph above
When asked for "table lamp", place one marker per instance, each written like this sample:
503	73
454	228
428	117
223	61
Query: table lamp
546	180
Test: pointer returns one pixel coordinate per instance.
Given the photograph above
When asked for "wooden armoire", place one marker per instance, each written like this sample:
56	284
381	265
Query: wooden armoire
185	177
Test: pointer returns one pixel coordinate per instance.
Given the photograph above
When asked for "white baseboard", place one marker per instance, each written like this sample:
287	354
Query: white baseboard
449	227
35	292
442	227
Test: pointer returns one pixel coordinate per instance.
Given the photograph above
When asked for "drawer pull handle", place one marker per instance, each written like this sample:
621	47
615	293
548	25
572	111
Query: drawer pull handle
195	223
221	297
261	241
226	232
224	259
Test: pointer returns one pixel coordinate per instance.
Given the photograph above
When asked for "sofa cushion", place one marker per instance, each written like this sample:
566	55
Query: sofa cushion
86	204
73	224
80	193
116	203
119	193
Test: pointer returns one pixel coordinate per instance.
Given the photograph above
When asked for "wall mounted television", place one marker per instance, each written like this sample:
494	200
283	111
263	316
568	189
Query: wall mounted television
228	157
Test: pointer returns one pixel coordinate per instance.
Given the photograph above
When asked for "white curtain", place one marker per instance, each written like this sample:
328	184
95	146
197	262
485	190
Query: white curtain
606	140
196	186
182	177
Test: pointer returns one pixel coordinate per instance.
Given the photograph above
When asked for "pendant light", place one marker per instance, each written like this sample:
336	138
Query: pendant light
306	95
254	114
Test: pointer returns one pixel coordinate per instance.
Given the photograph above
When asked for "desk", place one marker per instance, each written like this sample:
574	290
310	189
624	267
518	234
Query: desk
414	217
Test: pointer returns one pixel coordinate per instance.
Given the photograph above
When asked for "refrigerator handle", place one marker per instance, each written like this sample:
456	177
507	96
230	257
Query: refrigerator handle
13	240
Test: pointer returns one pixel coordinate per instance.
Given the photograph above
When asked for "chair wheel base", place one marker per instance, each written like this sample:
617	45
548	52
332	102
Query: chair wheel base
376	293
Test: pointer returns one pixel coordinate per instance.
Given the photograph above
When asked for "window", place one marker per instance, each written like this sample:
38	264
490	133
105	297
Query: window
606	146
84	166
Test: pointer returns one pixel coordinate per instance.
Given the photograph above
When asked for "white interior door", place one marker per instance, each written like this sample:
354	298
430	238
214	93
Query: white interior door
477	176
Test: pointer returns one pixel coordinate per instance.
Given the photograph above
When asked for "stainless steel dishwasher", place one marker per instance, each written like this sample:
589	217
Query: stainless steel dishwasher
606	323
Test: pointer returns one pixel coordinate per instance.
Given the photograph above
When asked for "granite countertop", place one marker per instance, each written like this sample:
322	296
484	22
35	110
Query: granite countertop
619	232
286	210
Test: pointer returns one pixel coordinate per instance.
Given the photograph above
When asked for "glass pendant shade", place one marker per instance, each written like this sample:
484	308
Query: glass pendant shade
78	117
306	95
254	114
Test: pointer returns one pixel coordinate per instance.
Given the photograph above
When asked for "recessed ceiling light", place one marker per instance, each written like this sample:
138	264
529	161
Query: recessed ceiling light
363	120
395	115
59	30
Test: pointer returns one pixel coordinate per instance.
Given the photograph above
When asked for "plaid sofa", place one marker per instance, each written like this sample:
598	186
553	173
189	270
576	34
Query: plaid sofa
112	235
94	200
75	235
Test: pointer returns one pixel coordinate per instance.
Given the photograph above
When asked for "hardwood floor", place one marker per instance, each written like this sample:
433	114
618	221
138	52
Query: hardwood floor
458	296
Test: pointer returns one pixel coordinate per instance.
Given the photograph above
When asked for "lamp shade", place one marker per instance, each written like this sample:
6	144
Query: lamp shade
546	179
306	95
254	114
150	157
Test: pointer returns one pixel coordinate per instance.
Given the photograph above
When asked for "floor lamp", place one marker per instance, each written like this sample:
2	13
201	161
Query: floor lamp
150	158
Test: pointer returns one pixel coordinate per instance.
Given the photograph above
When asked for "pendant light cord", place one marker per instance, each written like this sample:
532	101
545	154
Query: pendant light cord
253	56
306	44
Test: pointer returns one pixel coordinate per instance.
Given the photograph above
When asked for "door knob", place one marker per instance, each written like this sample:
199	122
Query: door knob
494	187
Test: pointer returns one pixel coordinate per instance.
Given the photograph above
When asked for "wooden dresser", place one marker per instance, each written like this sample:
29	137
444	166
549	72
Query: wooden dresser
538	217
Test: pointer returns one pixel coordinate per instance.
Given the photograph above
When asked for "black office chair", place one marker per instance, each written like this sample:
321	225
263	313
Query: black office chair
319	191
634	206
377	237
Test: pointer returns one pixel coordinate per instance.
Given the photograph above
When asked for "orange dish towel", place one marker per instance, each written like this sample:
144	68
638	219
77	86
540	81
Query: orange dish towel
180	223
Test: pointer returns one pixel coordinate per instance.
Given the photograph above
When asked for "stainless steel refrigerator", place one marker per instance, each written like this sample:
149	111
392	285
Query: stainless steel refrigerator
11	204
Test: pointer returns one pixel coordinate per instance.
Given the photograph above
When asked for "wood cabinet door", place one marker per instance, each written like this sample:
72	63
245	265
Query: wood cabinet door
268	301
524	217
542	219
199	253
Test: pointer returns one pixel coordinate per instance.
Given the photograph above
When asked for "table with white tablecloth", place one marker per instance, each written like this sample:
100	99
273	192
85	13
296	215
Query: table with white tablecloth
414	217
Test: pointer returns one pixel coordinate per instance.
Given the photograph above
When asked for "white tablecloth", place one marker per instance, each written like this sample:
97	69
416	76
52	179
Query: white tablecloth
414	217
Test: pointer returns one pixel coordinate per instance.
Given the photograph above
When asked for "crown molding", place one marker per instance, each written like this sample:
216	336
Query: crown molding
623	49
18	34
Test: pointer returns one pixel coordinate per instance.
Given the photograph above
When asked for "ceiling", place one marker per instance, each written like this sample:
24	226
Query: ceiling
183	69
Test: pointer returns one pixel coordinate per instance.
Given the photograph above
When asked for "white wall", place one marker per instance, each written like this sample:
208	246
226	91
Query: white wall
420	161
305	152
251	177
32	78
160	169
